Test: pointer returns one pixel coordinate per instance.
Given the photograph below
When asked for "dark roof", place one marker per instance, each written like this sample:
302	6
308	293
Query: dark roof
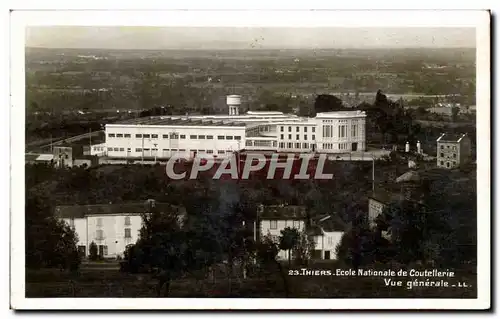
80	211
332	224
315	230
283	212
450	137
384	196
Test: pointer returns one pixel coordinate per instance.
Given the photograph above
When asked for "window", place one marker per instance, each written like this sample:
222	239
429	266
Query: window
174	136
138	149
297	145
174	150
273	224
72	222
442	154
111	135
146	150
220	152
282	137
327	131
305	129
289	145
289	129
313	137
210	137
354	129
298	137
67	156
119	135
454	148
122	149
282	129
127	135
127	221
183	137
454	163
314	129
138	135
128	233
305	137
442	147
201	137
105	250
447	146
297	129
99	222
220	137
116	149
129	150
296	224
454	155
237	138
193	137
442	163
166	150
165	135
282	145
229	137
289	136
306	145
210	151
447	164
146	135
154	136
99	234
182	150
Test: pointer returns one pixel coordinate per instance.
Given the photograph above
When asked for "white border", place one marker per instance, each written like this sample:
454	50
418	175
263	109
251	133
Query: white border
477	19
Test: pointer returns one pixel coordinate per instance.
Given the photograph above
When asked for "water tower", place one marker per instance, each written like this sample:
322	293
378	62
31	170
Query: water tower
233	103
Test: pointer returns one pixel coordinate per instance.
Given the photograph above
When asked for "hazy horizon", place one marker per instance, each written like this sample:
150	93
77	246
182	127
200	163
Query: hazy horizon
218	38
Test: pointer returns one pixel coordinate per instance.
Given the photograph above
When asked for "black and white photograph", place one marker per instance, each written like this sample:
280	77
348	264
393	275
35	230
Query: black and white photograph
250	160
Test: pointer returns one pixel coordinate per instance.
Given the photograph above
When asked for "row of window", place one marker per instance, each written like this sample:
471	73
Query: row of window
297	145
342	131
448	146
100	220
99	233
454	155
177	136
448	163
297	129
282	137
273	224
155	150
99	148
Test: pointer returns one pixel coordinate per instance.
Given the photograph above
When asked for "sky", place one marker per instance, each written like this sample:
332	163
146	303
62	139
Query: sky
192	38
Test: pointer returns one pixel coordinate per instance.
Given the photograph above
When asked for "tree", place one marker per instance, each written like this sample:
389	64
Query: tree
266	252
327	103
288	240
304	248
50	242
93	252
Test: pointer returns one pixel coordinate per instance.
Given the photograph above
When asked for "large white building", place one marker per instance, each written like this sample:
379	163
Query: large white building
163	136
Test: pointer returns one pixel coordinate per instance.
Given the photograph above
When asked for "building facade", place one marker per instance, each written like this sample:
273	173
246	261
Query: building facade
453	150
218	135
111	227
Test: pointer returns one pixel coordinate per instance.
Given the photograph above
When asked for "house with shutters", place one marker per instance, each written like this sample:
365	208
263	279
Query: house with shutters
112	227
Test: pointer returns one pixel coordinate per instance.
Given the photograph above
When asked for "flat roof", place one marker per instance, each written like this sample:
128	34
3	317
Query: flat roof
177	121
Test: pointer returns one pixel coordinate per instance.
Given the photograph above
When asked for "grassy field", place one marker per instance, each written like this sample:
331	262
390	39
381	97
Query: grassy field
109	282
